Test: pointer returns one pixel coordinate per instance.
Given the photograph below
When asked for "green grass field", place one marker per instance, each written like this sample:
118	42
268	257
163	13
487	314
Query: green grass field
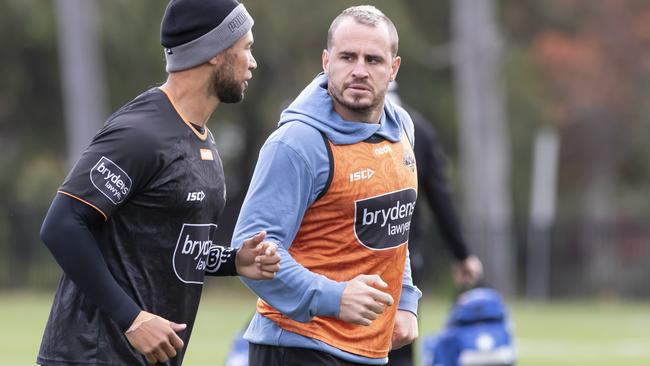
558	333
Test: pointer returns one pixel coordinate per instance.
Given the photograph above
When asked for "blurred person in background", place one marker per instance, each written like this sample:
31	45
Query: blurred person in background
132	225
433	183
335	185
478	332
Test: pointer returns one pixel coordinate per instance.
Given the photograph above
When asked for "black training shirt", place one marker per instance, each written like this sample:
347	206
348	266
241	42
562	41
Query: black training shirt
159	183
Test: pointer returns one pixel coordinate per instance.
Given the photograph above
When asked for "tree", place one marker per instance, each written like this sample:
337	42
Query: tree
595	72
478	48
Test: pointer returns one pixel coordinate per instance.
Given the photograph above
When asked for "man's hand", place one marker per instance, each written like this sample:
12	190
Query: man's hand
155	337
362	302
258	259
468	272
406	329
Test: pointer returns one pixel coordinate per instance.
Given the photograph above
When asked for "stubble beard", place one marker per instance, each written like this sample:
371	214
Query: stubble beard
355	106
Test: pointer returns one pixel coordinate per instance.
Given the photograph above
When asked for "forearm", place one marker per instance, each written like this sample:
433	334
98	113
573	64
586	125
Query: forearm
297	292
221	261
439	195
285	183
410	293
66	234
434	183
449	224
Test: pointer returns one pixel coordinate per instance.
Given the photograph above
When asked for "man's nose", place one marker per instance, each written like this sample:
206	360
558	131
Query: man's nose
252	64
360	70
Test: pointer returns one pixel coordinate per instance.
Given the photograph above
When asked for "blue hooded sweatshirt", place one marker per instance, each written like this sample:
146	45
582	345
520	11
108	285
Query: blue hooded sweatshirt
291	172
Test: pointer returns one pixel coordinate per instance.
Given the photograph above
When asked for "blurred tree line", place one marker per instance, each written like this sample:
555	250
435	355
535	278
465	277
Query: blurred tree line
581	67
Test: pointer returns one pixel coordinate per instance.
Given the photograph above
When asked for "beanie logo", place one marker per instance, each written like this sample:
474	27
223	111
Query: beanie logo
169	51
239	20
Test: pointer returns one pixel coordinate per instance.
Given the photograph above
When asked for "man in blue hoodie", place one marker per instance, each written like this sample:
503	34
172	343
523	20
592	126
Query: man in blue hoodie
335	187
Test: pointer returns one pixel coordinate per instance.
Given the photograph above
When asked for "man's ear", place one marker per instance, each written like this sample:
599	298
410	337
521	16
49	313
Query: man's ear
326	60
394	68
216	60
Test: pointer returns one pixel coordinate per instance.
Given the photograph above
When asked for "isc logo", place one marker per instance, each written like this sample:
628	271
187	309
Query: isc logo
361	175
195	196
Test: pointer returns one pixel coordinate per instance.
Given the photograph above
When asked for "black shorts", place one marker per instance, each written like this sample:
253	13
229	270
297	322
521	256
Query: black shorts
264	355
401	356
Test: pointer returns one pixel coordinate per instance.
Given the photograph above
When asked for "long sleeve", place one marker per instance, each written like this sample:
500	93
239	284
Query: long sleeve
282	188
433	182
410	293
66	234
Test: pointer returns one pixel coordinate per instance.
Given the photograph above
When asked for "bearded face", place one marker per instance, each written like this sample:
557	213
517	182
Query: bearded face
360	64
230	77
355	100
224	84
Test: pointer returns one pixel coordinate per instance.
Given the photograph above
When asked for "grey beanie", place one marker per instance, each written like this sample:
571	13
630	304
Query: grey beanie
194	31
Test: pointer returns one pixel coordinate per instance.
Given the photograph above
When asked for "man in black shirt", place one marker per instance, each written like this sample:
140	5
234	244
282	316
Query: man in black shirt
133	224
432	181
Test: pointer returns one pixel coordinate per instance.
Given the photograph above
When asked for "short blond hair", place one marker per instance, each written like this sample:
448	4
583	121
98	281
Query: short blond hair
366	15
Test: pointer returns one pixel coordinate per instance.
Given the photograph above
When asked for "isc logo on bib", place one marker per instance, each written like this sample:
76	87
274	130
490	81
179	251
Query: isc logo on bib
192	252
384	221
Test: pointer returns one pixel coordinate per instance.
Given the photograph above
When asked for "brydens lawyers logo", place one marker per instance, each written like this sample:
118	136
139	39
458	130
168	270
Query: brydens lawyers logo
192	252
111	180
384	221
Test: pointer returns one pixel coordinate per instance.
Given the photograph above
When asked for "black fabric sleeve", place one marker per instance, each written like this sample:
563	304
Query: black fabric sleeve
221	261
66	233
433	182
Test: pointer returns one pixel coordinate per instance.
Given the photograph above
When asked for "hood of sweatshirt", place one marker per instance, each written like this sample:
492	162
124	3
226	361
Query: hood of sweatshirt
314	107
